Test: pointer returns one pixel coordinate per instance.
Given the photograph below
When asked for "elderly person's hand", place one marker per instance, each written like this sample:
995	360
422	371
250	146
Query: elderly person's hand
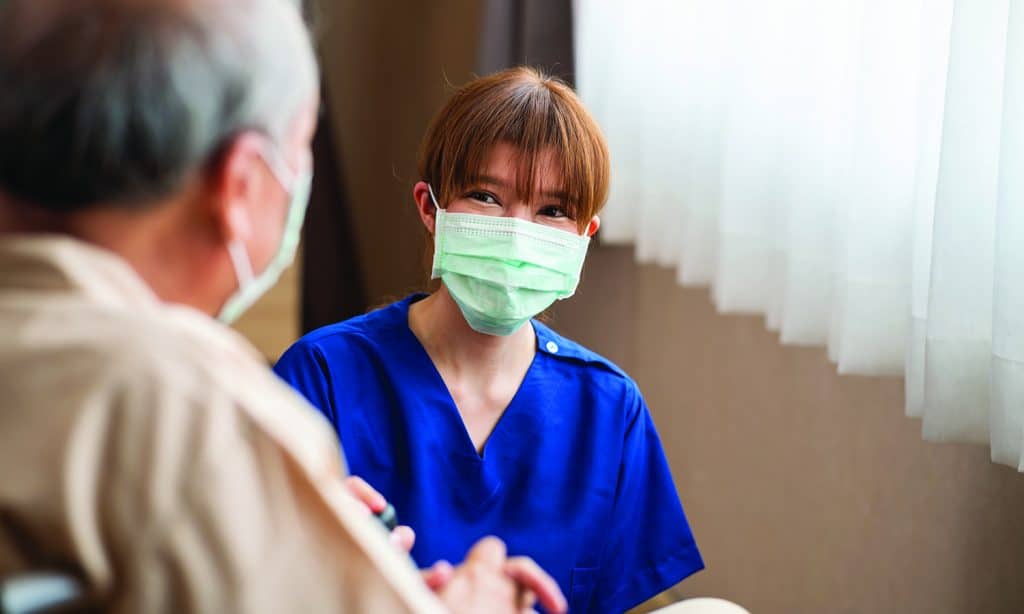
402	537
489	581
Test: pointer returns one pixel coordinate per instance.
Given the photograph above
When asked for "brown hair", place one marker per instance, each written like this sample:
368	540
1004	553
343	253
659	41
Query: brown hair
530	111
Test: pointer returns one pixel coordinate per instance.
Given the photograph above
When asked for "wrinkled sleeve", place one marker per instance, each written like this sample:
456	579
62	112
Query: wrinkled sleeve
200	509
650	546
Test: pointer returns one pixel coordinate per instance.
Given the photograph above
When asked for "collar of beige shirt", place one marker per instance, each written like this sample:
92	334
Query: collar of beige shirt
61	263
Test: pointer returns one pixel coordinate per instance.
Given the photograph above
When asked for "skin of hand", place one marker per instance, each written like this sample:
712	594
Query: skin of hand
402	537
489	581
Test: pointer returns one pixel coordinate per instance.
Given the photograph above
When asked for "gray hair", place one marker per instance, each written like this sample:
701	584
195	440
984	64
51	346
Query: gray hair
118	101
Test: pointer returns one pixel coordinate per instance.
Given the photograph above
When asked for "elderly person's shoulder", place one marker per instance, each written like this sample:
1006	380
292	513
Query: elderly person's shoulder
176	358
84	339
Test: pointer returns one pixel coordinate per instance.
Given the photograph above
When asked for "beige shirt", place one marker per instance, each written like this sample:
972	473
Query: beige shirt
150	450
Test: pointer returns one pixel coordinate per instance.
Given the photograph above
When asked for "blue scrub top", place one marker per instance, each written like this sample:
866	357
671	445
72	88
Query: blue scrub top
573	474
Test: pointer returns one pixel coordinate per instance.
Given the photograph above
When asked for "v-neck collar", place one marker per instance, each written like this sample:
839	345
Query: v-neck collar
433	379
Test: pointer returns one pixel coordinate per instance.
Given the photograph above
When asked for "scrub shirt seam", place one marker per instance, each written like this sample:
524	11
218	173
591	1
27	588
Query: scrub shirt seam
347	329
569	350
324	366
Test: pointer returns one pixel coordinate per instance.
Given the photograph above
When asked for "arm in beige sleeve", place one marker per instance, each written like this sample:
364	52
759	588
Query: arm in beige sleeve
200	509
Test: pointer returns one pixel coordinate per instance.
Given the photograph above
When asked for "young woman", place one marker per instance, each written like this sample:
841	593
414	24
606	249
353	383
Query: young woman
470	416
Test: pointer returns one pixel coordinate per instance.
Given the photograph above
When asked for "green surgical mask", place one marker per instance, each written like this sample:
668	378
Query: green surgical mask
503	271
252	287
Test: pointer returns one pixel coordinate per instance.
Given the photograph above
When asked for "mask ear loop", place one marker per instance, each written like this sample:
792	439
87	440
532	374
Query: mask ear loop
437	217
240	261
433	198
277	165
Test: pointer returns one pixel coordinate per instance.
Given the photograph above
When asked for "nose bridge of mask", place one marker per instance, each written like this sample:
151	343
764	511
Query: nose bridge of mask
536	243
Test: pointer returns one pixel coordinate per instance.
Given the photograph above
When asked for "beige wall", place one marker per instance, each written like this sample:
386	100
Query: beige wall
387	67
808	492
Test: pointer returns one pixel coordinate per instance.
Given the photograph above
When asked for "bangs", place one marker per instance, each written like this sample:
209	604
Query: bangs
533	114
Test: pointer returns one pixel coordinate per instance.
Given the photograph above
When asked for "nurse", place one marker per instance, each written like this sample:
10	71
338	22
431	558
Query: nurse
471	416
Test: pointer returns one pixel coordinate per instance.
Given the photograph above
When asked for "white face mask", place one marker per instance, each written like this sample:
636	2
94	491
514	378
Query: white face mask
252	287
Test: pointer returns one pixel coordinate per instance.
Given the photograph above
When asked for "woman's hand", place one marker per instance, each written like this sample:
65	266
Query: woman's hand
402	537
488	581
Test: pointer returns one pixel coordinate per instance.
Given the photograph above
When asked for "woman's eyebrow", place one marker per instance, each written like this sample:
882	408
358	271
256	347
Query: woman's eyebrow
494	181
559	194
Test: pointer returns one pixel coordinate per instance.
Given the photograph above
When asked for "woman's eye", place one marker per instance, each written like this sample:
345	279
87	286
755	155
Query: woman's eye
554	211
484	197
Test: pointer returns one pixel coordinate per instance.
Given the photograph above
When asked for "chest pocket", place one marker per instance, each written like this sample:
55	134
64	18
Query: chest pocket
581	588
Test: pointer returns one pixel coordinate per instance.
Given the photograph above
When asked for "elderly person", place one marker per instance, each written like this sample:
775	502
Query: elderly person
154	171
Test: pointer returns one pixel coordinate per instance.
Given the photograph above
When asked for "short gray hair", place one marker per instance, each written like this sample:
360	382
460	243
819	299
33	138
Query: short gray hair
118	101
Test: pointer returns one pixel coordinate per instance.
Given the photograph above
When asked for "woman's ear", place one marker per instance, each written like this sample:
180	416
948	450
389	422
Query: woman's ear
425	205
592	227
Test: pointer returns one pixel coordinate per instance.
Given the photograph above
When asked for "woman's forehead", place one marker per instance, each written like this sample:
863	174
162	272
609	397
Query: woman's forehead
504	164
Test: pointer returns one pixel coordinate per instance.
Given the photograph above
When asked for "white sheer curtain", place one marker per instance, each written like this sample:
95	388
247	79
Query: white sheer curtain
851	169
